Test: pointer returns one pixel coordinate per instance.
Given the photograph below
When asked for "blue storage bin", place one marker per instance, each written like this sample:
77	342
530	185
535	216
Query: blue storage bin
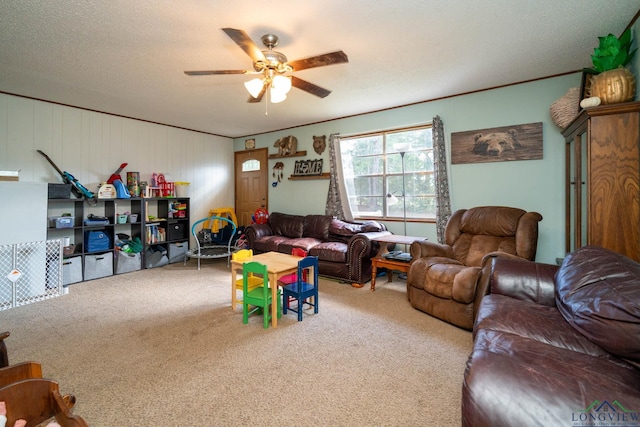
96	241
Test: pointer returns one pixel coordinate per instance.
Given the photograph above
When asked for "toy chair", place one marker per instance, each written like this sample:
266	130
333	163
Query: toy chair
254	281
293	277
302	290
259	297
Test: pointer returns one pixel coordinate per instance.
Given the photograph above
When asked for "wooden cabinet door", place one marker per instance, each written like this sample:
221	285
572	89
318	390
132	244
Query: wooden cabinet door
603	179
614	176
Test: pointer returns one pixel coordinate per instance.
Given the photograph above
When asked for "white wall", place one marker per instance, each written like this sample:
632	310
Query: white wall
25	207
91	146
535	185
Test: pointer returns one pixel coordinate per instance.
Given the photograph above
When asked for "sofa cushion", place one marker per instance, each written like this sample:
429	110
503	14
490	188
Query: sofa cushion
268	243
491	220
330	251
545	324
472	248
511	380
286	225
306	243
317	227
442	276
598	293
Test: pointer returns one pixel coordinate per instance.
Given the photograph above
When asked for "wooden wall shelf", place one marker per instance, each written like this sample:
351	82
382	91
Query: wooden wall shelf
303	177
296	154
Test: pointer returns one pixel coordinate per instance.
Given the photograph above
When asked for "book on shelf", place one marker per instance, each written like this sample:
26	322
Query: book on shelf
154	233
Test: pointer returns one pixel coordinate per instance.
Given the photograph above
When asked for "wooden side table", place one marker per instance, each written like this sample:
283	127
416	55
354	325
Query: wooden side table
390	264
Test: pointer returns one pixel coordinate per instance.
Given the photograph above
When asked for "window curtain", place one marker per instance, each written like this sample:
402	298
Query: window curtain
443	200
337	201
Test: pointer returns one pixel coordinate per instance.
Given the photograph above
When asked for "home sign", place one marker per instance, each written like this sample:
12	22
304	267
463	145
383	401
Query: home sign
308	167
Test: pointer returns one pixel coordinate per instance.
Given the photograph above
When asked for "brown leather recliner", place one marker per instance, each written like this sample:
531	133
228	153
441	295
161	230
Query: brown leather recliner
445	281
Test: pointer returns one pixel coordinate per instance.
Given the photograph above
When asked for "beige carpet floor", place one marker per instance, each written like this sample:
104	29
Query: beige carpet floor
162	347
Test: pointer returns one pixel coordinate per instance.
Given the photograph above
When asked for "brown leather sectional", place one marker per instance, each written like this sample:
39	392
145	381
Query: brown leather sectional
344	249
557	346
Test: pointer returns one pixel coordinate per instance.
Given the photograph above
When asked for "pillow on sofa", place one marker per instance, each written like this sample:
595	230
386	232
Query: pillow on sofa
342	228
598	293
368	226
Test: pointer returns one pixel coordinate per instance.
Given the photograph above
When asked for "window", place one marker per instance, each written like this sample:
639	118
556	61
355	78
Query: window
373	171
251	165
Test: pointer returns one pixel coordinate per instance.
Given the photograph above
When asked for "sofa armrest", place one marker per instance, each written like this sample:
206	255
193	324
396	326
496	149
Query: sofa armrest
365	244
521	279
425	248
361	248
255	231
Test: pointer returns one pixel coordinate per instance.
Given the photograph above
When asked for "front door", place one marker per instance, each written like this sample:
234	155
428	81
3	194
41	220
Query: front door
251	183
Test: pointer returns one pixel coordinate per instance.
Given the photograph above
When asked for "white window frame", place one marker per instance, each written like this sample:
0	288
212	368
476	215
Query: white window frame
377	174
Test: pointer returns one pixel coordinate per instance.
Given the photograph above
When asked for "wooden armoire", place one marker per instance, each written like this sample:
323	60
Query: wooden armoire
603	179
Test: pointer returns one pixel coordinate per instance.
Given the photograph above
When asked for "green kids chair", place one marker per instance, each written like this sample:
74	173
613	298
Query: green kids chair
259	297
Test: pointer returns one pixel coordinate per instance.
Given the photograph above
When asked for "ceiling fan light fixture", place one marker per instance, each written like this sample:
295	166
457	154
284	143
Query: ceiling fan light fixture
277	96
272	66
254	87
281	84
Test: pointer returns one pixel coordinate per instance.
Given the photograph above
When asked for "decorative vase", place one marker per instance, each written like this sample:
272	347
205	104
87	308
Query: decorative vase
614	86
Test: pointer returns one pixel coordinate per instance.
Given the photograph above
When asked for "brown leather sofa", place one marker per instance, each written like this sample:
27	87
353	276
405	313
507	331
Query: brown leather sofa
444	280
344	249
557	346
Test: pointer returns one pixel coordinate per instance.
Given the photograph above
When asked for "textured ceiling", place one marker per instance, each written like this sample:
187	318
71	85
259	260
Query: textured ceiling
127	57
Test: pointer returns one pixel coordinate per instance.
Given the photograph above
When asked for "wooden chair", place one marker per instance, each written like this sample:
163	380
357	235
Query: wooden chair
38	400
30	397
254	282
19	372
259	297
303	289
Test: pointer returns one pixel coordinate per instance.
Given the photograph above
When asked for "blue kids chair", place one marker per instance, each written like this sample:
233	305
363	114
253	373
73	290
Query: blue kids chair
304	289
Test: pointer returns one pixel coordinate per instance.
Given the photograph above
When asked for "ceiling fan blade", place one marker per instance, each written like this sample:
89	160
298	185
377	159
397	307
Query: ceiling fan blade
332	58
309	87
212	72
244	41
259	97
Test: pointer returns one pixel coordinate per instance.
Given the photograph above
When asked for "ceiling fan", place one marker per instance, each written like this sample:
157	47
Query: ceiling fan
273	66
